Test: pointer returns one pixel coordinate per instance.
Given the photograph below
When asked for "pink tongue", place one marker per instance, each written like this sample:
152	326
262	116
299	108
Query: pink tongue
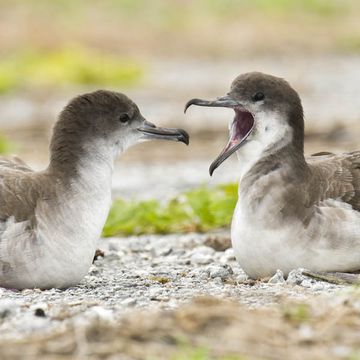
240	128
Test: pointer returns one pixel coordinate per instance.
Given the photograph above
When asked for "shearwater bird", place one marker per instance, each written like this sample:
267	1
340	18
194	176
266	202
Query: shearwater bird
292	212
50	220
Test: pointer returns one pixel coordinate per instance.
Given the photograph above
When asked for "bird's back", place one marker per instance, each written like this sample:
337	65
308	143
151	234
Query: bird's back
14	163
337	177
18	190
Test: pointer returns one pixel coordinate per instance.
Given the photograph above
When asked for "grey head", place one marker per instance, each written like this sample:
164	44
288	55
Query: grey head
268	115
105	122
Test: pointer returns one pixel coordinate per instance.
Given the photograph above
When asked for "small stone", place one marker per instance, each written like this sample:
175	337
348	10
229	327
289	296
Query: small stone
98	254
202	255
318	287
220	271
295	277
136	246
159	278
163	251
307	283
242	278
228	255
113	256
278	278
156	292
128	302
26	292
7	308
101	313
203	250
114	245
198	259
39	312
218	242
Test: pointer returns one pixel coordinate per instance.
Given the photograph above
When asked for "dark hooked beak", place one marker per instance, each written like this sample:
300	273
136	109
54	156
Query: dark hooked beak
241	126
224	101
152	132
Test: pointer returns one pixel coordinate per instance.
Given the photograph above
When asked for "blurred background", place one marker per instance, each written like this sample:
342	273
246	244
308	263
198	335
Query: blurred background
161	54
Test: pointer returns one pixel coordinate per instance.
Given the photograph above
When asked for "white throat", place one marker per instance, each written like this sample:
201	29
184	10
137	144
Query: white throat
271	133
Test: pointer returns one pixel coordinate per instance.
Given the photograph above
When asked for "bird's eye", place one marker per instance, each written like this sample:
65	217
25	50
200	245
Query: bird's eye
258	96
124	118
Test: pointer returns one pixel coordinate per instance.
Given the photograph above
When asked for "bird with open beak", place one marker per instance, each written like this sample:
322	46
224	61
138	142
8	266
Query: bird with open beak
292	212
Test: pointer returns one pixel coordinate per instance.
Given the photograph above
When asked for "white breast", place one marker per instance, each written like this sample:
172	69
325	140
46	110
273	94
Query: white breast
58	252
263	241
331	242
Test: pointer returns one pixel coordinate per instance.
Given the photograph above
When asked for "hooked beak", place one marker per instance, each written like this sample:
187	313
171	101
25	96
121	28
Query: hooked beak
151	132
241	126
224	101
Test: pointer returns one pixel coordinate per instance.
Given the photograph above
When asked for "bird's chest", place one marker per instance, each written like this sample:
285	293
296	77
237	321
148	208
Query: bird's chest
262	242
70	231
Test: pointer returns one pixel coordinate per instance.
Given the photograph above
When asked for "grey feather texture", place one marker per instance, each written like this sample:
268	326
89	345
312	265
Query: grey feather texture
51	220
292	211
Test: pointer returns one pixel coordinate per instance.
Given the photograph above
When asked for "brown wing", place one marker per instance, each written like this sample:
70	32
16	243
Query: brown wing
18	194
13	163
322	153
337	177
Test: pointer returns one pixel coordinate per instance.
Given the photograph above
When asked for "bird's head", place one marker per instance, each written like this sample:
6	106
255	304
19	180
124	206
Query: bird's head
268	114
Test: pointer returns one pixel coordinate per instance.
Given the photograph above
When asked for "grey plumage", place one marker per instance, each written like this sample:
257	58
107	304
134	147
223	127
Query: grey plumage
50	220
292	211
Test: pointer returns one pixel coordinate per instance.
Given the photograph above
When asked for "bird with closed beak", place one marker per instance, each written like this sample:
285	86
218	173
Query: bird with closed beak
292	212
50	220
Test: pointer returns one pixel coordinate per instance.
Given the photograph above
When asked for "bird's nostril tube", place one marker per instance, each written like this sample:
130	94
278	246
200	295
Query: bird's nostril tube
149	124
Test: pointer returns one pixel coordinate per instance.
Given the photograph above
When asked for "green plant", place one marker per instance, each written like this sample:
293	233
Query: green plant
200	210
69	66
297	313
5	145
201	353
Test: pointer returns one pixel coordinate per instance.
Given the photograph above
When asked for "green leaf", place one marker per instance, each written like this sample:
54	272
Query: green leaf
200	209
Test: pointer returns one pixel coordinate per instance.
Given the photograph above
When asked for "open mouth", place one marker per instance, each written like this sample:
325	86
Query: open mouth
241	126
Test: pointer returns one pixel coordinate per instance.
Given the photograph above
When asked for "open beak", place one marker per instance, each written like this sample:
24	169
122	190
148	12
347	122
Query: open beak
151	132
241	126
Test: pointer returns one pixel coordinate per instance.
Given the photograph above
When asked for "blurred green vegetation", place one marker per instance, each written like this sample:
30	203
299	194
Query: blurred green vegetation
298	313
199	210
61	67
189	353
158	8
181	27
201	353
350	43
5	145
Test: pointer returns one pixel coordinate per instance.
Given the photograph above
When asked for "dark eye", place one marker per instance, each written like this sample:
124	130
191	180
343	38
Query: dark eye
124	118
258	96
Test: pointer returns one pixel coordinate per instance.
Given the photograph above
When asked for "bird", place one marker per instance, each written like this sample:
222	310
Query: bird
50	220
293	211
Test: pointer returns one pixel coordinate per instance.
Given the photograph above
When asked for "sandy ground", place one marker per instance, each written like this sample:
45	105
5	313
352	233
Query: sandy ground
161	297
207	328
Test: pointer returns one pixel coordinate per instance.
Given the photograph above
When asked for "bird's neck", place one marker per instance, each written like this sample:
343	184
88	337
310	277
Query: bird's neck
289	159
81	174
273	187
75	158
277	141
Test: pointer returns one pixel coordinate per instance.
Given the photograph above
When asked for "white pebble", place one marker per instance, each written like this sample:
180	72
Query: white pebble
278	278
